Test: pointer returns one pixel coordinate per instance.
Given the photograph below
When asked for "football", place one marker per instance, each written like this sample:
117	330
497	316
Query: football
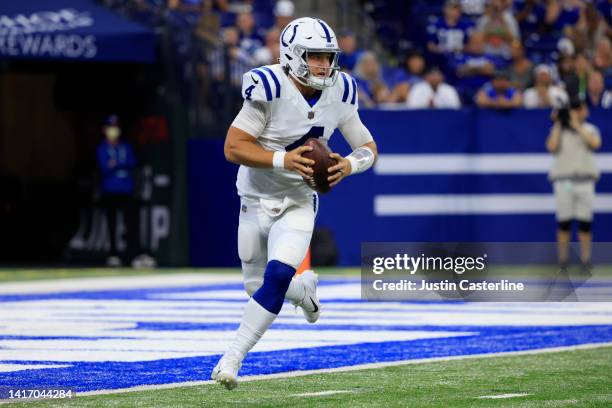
320	155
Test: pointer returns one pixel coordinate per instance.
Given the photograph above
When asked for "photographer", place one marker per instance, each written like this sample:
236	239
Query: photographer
572	140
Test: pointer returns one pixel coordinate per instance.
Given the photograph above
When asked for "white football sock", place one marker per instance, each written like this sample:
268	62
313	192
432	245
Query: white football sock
296	291
255	322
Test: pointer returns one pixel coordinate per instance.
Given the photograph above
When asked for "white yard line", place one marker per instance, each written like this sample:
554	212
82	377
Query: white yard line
292	374
502	396
322	393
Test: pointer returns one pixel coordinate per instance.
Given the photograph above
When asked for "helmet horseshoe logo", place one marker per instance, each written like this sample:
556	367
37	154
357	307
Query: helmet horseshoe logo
295	27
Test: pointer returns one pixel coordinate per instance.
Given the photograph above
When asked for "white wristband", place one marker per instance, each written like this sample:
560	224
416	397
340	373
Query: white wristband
361	159
278	160
354	163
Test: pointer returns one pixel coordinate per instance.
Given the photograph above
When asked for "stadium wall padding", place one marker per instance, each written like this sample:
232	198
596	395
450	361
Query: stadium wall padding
501	173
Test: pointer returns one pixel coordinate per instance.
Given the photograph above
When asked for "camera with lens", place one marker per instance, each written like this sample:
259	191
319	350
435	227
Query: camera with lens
563	116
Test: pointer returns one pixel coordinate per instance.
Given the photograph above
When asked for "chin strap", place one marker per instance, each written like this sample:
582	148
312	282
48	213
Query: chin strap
361	159
299	79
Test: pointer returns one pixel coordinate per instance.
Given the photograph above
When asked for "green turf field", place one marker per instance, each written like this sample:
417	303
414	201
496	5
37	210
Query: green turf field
581	378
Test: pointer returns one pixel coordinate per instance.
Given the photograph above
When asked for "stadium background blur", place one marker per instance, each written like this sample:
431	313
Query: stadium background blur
175	106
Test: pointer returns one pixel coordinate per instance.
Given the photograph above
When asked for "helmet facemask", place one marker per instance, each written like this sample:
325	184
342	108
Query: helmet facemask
303	75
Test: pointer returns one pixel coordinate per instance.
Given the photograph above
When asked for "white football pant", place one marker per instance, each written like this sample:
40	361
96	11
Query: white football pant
273	229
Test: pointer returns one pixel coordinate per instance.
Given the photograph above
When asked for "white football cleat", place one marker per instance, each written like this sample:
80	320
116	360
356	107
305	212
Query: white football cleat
144	261
310	304
226	371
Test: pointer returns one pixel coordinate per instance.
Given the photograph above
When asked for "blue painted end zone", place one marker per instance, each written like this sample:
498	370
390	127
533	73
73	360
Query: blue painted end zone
108	375
90	376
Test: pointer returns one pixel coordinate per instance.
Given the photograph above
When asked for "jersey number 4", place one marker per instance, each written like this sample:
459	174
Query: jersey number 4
248	92
315	131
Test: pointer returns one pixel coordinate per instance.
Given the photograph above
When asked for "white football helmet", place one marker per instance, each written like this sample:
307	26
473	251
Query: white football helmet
301	37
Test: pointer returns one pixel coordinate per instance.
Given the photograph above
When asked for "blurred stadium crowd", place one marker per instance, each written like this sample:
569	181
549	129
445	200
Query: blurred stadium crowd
434	53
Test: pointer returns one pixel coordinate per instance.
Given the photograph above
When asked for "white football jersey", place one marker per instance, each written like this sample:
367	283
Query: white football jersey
290	121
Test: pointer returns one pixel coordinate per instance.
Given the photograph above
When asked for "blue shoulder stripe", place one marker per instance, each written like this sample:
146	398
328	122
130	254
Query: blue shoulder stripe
354	91
275	79
346	87
266	84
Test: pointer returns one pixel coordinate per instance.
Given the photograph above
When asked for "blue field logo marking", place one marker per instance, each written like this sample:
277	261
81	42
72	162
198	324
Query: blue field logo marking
121	337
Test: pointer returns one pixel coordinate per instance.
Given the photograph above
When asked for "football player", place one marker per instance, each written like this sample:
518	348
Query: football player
285	104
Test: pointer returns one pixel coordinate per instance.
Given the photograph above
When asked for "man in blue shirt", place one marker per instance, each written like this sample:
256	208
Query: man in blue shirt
116	162
473	68
449	33
531	16
350	50
596	95
251	36
567	16
499	93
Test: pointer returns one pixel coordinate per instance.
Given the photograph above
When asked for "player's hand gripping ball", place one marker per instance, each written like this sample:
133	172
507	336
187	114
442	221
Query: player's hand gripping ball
320	154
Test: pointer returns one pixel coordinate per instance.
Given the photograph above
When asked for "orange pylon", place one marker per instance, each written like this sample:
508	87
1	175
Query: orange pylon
305	265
